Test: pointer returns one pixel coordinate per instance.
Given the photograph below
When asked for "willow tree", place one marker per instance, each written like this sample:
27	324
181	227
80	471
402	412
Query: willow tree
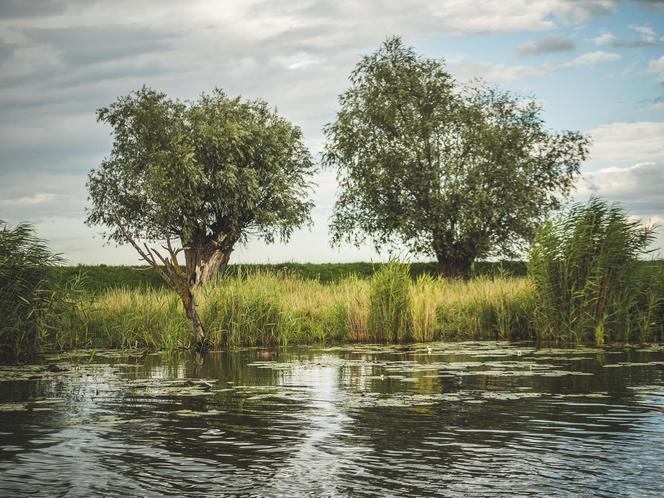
197	178
449	171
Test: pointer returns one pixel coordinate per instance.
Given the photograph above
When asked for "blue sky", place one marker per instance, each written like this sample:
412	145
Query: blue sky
595	65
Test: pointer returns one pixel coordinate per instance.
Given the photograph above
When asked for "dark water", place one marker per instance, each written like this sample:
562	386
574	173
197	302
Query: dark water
465	419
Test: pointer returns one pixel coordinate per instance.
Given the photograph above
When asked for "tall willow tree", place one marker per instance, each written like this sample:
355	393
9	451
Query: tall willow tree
453	172
197	178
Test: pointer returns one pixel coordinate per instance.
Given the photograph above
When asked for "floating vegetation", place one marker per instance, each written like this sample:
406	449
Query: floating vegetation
623	364
192	413
43	404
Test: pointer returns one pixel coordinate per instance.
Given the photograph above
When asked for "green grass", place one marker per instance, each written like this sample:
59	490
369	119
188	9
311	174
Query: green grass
615	298
100	278
270	309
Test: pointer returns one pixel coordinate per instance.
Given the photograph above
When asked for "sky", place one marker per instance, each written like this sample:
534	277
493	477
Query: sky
595	65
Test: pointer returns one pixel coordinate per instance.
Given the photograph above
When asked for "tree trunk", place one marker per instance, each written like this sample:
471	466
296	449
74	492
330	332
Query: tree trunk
198	339
454	267
206	258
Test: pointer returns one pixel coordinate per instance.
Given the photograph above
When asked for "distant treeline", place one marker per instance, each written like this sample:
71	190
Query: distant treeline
103	277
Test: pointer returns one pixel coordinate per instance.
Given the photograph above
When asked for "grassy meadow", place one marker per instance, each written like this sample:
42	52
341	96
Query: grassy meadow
269	308
276	308
589	280
99	278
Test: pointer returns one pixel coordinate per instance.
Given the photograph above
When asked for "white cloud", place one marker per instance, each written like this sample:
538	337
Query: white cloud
32	200
605	38
641	183
590	58
647	38
648	34
505	72
656	67
578	11
619	142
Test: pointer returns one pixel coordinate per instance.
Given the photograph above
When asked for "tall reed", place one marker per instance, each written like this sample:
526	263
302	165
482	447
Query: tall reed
589	284
27	290
390	304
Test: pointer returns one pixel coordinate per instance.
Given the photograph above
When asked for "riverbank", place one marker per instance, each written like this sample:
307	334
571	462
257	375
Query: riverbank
271	309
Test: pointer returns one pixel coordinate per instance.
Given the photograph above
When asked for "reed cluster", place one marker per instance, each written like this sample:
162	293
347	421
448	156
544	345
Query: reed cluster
590	284
29	295
271	309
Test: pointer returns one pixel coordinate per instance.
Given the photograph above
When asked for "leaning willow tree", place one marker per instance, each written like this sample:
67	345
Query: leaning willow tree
450	171
197	178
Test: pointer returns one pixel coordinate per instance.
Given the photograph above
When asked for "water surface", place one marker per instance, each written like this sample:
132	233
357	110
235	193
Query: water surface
450	419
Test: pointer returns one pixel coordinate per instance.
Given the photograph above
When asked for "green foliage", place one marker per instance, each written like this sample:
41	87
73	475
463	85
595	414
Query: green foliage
390	304
214	167
200	175
456	173
590	285
27	290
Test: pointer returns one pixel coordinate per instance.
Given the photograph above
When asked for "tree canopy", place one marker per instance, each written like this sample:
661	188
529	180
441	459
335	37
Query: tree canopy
200	175
452	171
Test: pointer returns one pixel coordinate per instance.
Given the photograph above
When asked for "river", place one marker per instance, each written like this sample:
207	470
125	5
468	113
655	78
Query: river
440	419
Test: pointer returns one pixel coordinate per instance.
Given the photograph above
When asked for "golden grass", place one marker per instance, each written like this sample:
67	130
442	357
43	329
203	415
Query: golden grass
268	309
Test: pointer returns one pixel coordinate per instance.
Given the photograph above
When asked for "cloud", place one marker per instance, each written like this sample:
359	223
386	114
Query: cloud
32	200
547	45
646	32
642	183
637	141
656	67
505	72
579	11
605	38
648	38
36	196
62	59
590	58
6	50
638	188
13	9
97	44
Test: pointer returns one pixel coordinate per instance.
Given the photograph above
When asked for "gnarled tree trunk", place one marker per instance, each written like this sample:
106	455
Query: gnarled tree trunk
207	256
454	257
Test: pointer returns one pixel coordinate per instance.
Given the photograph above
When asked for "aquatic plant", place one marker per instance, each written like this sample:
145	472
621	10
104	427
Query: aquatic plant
27	292
589	284
270	309
390	304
